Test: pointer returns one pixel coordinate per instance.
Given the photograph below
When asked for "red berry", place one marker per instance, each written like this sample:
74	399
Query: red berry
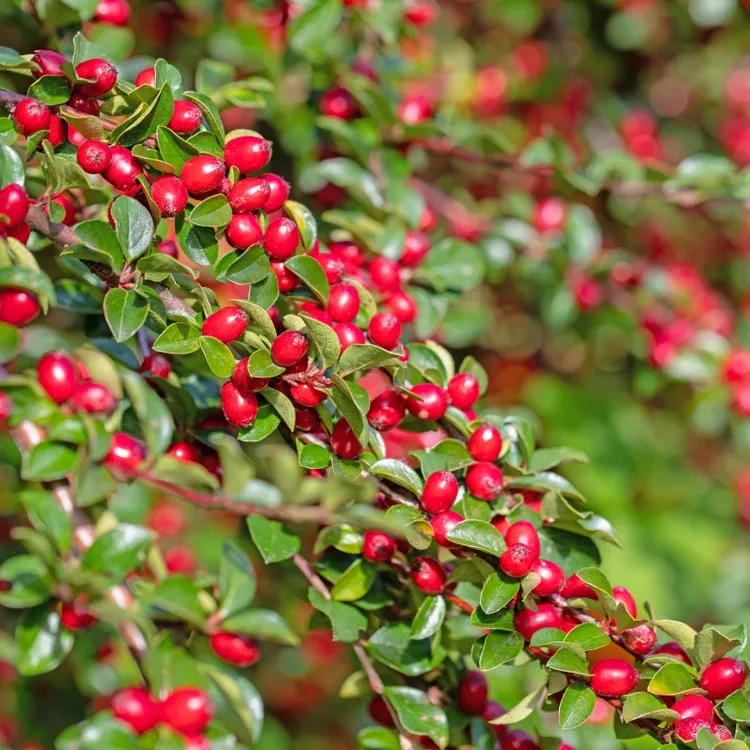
123	169
6	407
14	204
493	710
249	194
421	13
239	650
431	403
517	560
472	693
184	452
289	348
279	192
305	394
378	710
170	195
517	739
187	710
94	156
180	559
344	442
349	334
286	280
671	648
523	532
125	452
612	678
549	215
136	708
102	76
244	381
640	639
463	392
18	307
244	231
281	239
30	116
48	63
552	577
351	256
440	492
343	304
622	595
416	248
694	707
157	365
226	324
22	232
83	104
723	677
442	524
385	330
332	266
575	588
484	480
186	117
147	77
527	622
428	220
248	153
113	12
169	247
428	575
403	306
202	174
385	274
240	408
93	398
74	616
56	374
339	103
485	442
414	109
306	419
197	742
687	729
737	366
387	410
378	547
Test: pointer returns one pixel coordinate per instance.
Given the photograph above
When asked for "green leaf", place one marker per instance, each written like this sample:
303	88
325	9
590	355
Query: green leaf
672	679
570	551
265	292
346	621
447	455
355	582
146	120
48	517
179	596
119	551
11	167
242	696
174	149
210	113
236	579
711	644
357	181
497	591
218	356
377	738
313	457
50	90
153	415
576	706
499	648
305	221
125	312
588	636
548	458
452	265
311	274
42	642
263	623
212	212
568	661
523	708
250	267
31	582
258	317
273	543
10	342
582	234
262	366
737	707
100	731
178	338
479	535
99	235
310	32
134	226
48	461
282	404
325	339
646	706
198	243
678	631
359	357
429	618
399	473
265	424
393	646
417	714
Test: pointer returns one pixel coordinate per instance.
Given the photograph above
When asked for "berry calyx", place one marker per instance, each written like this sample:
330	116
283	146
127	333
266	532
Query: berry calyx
18	307
233	648
136	708
440	492
378	547
57	375
226	324
248	153
517	560
239	407
428	575
384	330
94	156
344	442
431	401
463	392
442	524
202	174
102	76
485	481
723	677
169	195
472	693
187	710
485	443
612	678
289	348
30	116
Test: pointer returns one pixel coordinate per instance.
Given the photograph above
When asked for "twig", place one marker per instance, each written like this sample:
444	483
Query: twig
459	602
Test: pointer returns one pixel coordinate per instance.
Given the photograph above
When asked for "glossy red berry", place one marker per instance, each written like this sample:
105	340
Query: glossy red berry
549	215
640	639
93	398
57	375
278	192
202	174
187	710
385	330
484	480
125	452
339	103
289	348
93	156
343	304
694	707
463	392
183	451
18	307
123	169
378	710
14	204
428	575
281	239
30	116
186	117
385	274
83	104
47	62
240	408
575	588
622	595
612	678
523	532
248	153
243	231
431	401
687	729
249	194
135	707
147	77
6	407
416	248
378	547
472	693
527	622
403	306
552	577
226	324
305	394
386	410
485	443
233	648
442	524
286	280
348	334
723	677
169	195
244	381
672	648
440	492
169	247
74	616
420	12
414	109
113	12
344	442
102	76
517	739
517	560
157	365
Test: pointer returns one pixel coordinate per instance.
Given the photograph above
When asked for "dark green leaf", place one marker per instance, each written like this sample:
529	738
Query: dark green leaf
134	226
218	356
497	591
263	623
31	582
311	274
479	535
429	618
236	579
399	473
48	461
51	90
346	621
672	679
646	706
305	222
355	582
125	312
417	714
365	357
42	642
178	338
499	648
273	543
212	212
576	706
119	551
154	416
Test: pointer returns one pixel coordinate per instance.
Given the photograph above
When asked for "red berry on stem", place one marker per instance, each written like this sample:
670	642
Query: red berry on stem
184	452
244	381
463	392
57	375
527	622
575	588
135	707
385	330
403	306
240	408
523	532
348	334
440	492
378	710
279	192
622	595
517	560
187	710
202	174
344	442
14	204
281	239
226	324
416	248
517	739
414	109
6	407
113	12
485	443
332	266
385	274
249	194
123	169
671	648
147	77
428	575
723	677
640	639
236	649
74	616
305	394
339	103
378	547
472	693
101	74
612	678
687	729
442	524
186	117
431	401
694	707
170	195
83	103
93	398
94	156
30	116
552	577
289	348
387	410
243	231
343	303
125	452
484	480
286	280
248	153
549	215
48	63
18	307
157	365
169	247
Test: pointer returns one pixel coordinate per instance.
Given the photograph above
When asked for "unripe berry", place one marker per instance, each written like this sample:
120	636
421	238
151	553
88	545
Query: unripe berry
147	77
640	639
723	677
170	195
442	524
348	334
113	12
344	442
485	443
463	392
244	231
672	648
123	169
378	547
472	693
233	648
527	622
94	156
102	74
244	381
186	117
184	452
416	248
484	480
403	306
517	560
75	617
93	398
431	403
226	324
343	303
428	575
157	365
18	307
56	374
612	678
30	116
621	595
279	192
387	410
552	577
240	408
248	153
187	710
694	707
202	174
440	492
549	215
339	103
289	348
523	532
281	239
125	452
249	194
135	707
385	274
385	330
14	204
48	63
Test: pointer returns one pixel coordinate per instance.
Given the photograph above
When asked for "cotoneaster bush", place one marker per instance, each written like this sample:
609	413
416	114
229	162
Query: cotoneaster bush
311	398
